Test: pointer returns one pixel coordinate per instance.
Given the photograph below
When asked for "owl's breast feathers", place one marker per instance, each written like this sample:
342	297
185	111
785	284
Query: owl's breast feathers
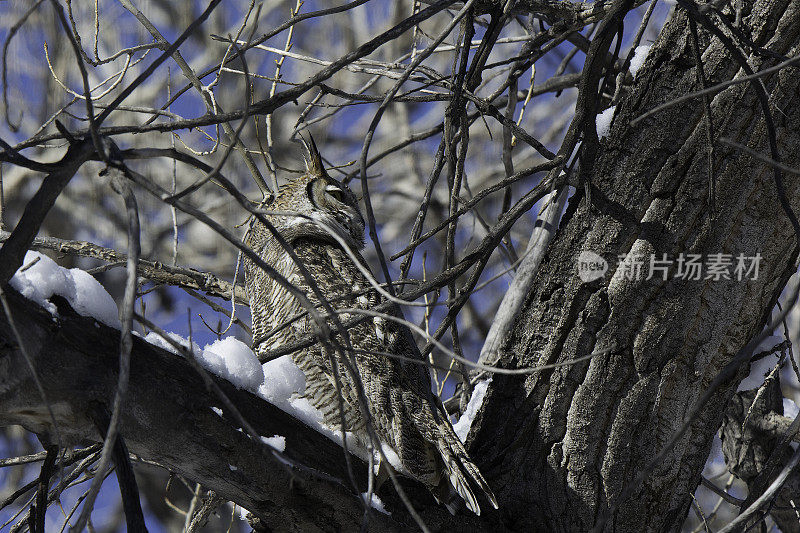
396	382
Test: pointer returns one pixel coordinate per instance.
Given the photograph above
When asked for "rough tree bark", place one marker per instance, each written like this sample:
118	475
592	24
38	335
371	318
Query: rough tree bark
560	446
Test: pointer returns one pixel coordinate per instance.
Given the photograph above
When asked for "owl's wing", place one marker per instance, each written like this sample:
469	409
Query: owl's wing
335	276
395	379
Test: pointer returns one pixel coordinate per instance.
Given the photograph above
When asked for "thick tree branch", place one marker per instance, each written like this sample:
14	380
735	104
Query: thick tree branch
169	419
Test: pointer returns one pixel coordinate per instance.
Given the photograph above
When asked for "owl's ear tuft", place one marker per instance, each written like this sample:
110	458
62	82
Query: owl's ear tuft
313	159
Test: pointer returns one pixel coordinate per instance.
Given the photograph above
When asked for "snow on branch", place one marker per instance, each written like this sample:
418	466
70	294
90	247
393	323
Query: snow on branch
171	418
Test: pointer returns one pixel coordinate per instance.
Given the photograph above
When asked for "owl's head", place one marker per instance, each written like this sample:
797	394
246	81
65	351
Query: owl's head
323	205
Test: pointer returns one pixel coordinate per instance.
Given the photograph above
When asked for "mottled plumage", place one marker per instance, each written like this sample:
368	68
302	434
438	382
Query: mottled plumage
405	413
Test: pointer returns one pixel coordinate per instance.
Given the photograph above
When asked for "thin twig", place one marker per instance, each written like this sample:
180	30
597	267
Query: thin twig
126	343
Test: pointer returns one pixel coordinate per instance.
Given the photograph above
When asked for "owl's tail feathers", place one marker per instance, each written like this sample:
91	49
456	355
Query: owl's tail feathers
461	471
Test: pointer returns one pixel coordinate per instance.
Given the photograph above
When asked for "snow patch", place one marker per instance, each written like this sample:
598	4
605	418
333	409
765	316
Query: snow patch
40	278
157	340
465	421
603	122
639	55
233	360
391	456
228	358
277	441
217	410
284	383
282	379
375	503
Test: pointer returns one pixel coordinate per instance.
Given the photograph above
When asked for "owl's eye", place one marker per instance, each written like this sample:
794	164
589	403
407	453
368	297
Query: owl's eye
335	193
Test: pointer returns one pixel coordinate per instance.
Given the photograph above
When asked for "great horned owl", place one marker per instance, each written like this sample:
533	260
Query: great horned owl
406	415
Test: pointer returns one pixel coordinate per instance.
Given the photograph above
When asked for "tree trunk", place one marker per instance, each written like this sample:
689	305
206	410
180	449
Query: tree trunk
559	446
